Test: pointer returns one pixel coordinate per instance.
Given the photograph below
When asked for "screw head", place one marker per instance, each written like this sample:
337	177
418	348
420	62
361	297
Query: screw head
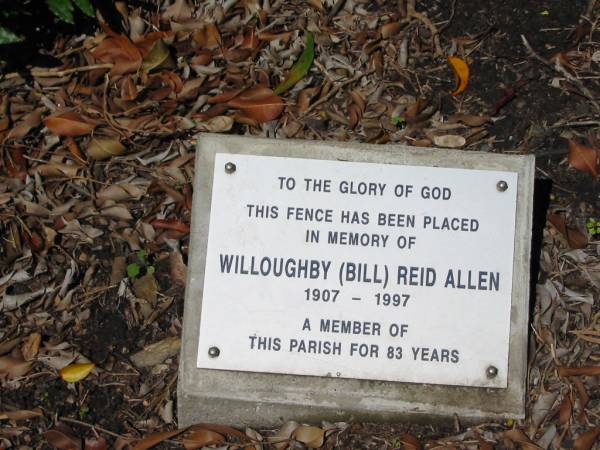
491	372
214	352
502	185
229	167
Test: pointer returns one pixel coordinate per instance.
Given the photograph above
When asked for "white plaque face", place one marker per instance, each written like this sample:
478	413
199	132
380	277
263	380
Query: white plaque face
359	270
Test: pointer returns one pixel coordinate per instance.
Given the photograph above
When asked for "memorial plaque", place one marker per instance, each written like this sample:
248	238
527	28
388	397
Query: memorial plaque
323	265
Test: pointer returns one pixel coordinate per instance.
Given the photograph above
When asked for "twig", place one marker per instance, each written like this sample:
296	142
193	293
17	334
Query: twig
435	34
559	68
62	73
88	425
336	9
331	93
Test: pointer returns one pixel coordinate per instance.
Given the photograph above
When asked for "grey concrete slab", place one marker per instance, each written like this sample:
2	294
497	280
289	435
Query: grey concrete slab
262	399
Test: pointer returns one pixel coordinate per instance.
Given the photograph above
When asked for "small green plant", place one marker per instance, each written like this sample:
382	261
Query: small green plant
84	410
141	266
62	9
399	121
593	227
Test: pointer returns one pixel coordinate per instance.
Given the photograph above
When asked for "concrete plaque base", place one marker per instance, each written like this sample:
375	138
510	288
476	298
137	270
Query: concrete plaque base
269	399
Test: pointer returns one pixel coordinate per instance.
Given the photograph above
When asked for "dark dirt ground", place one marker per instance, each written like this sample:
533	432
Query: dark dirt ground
102	325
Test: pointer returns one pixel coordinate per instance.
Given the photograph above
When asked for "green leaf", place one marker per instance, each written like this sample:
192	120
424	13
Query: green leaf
133	270
8	37
63	9
142	255
399	121
86	7
300	69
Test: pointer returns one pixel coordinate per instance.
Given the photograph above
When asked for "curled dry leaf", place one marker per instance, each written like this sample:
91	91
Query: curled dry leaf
449	141
218	124
356	108
76	372
101	148
312	437
200	437
574	371
461	73
68	124
119	192
583	158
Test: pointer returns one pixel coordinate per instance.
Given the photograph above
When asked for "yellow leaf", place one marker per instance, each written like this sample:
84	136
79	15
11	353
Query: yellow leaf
76	372
462	73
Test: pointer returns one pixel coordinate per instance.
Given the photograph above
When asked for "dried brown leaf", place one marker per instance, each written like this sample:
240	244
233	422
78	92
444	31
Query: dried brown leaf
225	96
218	124
583	158
97	443
281	439
575	238
31	346
63	438
146	287
179	10
575	371
159	57
409	442
57	170
259	103
201	437
68	124
117	212
449	141
586	440
312	437
101	148
519	437
29	122
565	410
157	352
120	51
390	29
123	191
23	414
156	438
